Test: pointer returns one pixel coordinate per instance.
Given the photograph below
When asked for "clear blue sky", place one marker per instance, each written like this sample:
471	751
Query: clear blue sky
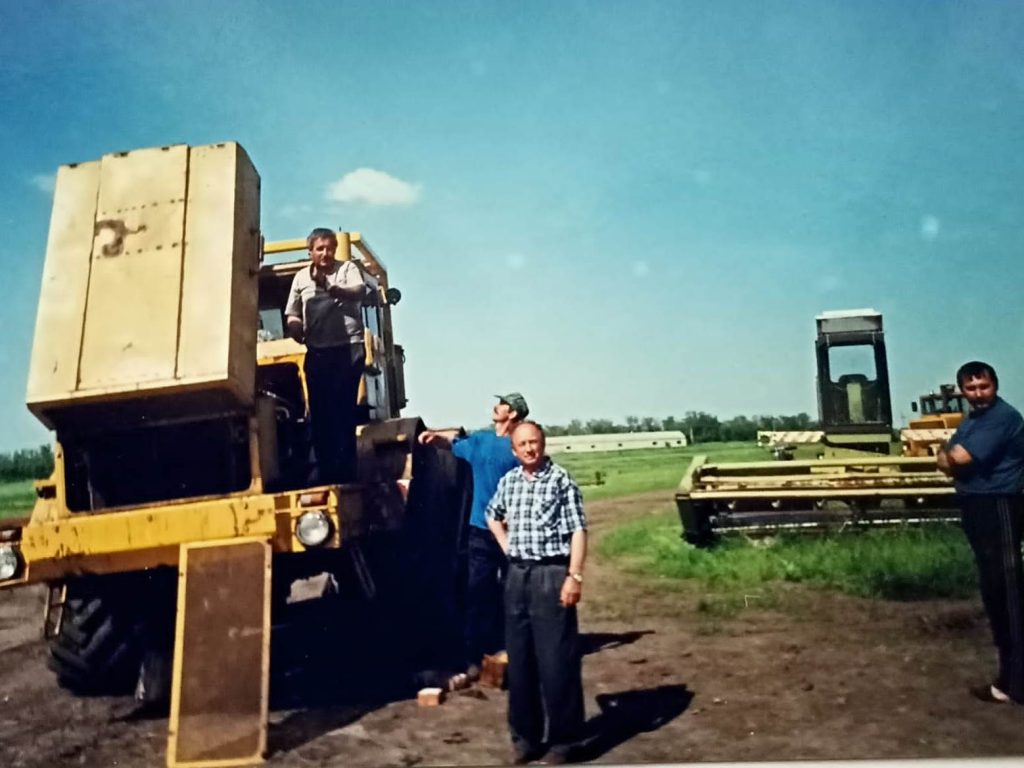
615	207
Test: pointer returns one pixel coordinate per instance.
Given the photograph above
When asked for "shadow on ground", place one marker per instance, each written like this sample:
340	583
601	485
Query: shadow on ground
626	714
592	642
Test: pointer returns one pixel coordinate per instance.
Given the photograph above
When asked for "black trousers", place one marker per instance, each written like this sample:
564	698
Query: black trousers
993	527
485	602
332	378
544	675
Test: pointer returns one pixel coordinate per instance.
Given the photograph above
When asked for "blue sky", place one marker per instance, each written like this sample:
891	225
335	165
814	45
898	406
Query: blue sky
615	207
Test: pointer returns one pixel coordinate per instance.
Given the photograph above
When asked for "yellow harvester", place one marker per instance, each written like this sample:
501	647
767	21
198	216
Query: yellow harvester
180	511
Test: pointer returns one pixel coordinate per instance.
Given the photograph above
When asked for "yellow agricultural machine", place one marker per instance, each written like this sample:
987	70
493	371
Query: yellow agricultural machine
939	414
180	515
854	480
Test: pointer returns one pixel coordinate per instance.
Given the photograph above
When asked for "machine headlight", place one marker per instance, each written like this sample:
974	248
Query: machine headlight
9	562
313	528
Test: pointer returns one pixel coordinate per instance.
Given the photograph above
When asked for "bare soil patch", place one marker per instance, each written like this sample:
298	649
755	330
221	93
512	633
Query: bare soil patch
815	675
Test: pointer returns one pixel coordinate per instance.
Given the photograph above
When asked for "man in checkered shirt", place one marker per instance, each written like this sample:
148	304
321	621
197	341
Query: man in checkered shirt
537	517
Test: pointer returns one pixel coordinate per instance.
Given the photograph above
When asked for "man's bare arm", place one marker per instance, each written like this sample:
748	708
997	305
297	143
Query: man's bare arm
950	460
347	292
440	437
500	533
293	327
572	590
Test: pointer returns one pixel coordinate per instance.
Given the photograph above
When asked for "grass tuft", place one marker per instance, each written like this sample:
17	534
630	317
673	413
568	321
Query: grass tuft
910	563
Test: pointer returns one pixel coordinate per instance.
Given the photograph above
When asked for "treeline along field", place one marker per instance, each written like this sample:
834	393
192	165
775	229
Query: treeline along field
902	563
17	471
699	427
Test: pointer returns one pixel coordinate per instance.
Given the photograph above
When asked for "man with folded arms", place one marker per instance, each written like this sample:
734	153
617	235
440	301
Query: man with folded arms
985	458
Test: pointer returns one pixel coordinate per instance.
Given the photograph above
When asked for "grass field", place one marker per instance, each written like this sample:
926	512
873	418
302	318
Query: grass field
16	498
655	469
898	563
903	564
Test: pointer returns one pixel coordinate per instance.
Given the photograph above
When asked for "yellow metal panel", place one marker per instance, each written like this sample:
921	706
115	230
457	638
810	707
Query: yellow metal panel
53	371
149	528
131	325
221	655
221	258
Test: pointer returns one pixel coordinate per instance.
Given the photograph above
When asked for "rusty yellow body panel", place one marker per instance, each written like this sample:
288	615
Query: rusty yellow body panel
149	536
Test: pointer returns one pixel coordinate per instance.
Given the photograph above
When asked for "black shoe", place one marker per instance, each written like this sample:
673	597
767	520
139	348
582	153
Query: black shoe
989	694
524	755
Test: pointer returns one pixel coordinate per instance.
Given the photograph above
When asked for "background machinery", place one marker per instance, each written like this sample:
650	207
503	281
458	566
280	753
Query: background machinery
853	480
939	414
179	515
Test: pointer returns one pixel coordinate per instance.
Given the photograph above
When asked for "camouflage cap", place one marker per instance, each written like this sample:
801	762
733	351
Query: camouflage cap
516	402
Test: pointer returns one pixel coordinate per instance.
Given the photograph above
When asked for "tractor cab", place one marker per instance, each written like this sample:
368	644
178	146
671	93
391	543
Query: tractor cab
854	406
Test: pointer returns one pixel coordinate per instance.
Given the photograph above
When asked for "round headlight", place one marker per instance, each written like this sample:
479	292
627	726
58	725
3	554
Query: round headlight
9	562
313	528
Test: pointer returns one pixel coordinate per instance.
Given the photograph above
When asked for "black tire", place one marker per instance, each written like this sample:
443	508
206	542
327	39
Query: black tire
107	628
432	566
98	648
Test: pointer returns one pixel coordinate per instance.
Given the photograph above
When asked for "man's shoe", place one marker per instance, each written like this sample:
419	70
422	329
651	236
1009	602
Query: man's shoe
561	756
524	755
989	694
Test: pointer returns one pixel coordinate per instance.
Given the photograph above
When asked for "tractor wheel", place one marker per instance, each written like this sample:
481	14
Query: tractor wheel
432	560
107	629
97	650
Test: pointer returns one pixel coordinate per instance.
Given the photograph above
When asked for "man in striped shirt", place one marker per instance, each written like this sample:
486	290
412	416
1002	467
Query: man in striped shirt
985	458
537	517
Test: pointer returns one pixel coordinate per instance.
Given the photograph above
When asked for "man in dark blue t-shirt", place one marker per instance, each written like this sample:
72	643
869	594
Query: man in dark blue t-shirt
489	454
985	458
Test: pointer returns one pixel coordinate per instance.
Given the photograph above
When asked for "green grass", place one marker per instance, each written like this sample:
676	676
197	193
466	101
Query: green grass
16	498
654	469
901	564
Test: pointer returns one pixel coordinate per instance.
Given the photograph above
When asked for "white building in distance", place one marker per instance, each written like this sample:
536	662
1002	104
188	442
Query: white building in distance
617	441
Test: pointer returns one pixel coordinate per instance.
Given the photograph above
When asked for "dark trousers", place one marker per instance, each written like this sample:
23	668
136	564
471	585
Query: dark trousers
544	676
332	378
485	603
993	527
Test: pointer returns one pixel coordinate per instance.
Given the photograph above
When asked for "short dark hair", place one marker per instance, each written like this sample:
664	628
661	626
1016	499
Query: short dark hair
321	233
976	369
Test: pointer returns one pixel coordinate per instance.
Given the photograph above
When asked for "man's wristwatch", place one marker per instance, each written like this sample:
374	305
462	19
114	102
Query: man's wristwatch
577	577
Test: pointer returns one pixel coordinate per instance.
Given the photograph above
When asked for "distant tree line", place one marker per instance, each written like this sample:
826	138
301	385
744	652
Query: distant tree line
698	426
26	464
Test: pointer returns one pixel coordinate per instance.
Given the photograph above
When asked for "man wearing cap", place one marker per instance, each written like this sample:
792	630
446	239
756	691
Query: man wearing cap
985	458
537	517
324	311
489	454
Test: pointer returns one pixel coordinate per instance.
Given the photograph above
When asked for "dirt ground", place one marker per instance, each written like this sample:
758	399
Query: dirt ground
817	676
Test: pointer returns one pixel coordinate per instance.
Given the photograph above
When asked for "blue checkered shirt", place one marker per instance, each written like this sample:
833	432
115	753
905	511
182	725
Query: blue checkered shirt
541	512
